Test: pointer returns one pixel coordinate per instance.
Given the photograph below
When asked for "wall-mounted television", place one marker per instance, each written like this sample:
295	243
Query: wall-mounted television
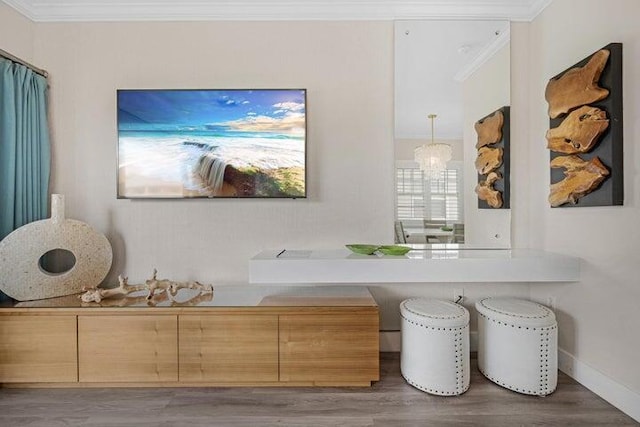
240	143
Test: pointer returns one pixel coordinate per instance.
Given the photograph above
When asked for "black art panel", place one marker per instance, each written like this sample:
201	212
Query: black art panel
609	149
502	185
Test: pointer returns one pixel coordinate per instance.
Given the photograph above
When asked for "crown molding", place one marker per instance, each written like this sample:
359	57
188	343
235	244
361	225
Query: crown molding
276	10
537	6
483	56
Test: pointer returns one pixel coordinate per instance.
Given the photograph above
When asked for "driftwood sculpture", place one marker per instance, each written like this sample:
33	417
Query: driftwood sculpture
171	287
489	129
578	86
581	178
98	294
127	301
157	299
152	285
489	159
579	132
485	190
197	299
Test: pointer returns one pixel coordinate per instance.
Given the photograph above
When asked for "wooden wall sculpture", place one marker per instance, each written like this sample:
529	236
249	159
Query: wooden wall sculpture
585	135
492	163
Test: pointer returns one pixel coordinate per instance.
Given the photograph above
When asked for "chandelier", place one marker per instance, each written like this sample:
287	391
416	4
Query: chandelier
432	157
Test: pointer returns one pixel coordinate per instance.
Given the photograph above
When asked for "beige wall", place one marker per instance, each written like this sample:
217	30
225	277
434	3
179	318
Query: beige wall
486	90
16	33
600	315
346	68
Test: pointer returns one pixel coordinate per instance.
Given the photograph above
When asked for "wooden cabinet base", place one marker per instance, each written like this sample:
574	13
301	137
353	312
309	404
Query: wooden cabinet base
229	348
338	348
37	348
282	341
127	348
179	384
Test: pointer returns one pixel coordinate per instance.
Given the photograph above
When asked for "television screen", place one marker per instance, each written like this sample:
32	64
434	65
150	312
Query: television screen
211	143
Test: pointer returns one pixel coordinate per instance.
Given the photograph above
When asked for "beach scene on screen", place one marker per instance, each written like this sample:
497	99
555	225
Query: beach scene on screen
211	143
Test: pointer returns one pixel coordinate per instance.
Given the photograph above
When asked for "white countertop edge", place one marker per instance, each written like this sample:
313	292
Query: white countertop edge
482	266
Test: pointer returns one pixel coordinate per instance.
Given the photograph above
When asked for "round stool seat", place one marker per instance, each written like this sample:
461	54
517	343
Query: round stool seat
513	310
435	346
434	312
518	345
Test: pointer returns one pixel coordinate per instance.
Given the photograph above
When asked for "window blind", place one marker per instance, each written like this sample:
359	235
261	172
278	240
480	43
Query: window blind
443	195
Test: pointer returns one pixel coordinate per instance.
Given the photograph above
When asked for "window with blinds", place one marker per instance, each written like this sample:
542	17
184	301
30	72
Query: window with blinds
443	195
410	194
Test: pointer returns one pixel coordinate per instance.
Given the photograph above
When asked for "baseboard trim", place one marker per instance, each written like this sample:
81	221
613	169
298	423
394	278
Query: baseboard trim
620	396
392	341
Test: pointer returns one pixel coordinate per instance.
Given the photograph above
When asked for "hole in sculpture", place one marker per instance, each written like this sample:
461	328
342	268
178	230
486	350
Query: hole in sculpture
57	261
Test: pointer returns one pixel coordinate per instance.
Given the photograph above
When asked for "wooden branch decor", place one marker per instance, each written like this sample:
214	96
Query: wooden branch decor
126	301
171	287
161	299
487	192
489	159
153	286
578	86
492	163
98	294
585	135
579	132
582	177
489	129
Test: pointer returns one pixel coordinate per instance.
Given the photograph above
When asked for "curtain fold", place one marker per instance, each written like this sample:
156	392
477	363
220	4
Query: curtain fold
25	153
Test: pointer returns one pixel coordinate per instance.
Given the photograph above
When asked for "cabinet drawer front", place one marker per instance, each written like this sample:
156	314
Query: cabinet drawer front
329	348
38	349
128	348
229	348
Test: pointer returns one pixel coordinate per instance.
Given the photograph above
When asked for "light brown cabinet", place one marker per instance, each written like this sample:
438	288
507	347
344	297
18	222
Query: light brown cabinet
229	348
128	348
279	340
38	349
335	349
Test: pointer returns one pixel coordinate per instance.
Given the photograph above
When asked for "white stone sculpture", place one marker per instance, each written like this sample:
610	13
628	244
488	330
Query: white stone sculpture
22	276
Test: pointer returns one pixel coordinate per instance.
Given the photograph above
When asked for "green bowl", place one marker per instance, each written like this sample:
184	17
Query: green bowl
445	228
394	250
363	249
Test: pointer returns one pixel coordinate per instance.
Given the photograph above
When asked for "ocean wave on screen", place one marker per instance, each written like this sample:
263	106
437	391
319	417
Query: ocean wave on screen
172	157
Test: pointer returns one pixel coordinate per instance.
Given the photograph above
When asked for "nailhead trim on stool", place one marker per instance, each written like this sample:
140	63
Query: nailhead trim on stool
526	360
428	338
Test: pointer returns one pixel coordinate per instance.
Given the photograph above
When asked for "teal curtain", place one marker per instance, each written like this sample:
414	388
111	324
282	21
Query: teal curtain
25	153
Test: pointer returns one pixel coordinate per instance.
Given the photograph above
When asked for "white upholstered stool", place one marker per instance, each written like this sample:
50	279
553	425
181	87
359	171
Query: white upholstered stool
518	345
435	346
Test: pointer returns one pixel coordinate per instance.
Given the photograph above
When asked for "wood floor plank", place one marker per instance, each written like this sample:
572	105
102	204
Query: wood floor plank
389	402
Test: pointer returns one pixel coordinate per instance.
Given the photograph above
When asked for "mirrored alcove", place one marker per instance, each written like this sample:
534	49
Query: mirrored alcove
458	71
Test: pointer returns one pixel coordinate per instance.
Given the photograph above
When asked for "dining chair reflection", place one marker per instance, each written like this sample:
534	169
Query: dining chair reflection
401	237
458	233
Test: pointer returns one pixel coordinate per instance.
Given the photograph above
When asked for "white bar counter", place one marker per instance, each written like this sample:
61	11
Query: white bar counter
446	264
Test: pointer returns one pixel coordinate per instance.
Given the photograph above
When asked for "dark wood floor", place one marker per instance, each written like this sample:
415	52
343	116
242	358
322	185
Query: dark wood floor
390	402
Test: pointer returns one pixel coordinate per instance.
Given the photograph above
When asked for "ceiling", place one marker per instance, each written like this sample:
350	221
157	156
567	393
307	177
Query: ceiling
251	10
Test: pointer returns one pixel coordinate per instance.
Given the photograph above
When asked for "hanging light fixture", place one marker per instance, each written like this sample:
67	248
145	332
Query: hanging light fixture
432	157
